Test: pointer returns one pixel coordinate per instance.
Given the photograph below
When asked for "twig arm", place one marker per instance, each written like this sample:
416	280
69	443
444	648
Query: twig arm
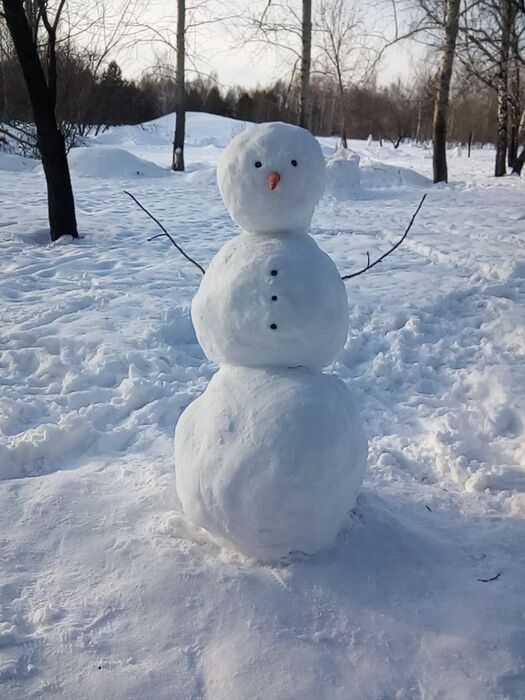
165	232
370	265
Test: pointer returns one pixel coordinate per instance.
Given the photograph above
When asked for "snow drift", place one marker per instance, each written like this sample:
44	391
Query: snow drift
112	163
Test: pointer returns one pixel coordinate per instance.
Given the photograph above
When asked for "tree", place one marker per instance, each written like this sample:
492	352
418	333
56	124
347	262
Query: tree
180	93
280	26
162	33
506	22
306	59
494	54
42	92
338	25
439	129
514	98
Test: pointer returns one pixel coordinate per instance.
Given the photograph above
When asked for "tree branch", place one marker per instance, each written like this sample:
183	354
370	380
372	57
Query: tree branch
165	232
369	265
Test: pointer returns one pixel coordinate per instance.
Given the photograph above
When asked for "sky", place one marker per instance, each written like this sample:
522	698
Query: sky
220	48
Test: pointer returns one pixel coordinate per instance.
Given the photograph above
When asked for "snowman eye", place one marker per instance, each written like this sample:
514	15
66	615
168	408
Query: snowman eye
294	163
258	164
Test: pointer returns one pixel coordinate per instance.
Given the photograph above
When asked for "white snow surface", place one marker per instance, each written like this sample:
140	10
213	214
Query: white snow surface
270	460
111	163
13	163
107	591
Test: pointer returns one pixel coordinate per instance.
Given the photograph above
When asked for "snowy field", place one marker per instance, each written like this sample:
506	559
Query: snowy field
107	592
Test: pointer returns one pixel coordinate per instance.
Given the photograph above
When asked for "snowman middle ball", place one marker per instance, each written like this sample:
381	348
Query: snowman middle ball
271	301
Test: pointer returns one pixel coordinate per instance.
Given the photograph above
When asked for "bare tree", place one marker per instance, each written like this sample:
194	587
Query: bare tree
339	51
188	18
514	98
493	52
180	125
506	22
439	129
519	161
283	28
306	59
42	91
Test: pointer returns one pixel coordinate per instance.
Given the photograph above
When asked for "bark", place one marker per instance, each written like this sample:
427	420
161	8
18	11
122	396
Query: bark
519	163
419	121
306	106
342	112
180	89
439	135
50	141
502	87
514	102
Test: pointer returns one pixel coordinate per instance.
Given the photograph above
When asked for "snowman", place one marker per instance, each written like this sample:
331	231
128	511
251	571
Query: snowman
270	458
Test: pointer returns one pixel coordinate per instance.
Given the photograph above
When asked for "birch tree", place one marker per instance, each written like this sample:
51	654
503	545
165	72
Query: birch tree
506	21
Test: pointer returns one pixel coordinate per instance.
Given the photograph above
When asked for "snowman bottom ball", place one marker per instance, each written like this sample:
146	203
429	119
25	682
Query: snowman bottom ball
270	461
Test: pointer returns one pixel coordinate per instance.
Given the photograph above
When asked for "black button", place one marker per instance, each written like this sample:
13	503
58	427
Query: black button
274	298
273	273
273	326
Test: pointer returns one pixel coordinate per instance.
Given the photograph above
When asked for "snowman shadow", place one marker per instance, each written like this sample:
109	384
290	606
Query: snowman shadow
395	581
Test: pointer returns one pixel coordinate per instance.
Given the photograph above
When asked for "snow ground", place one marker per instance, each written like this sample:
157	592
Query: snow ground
107	592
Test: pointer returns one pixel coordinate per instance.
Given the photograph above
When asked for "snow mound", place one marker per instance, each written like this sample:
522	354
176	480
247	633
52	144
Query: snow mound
382	175
202	176
343	174
111	163
202	130
139	135
16	164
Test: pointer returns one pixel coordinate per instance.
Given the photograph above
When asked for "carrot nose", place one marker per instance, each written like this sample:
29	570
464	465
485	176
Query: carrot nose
273	180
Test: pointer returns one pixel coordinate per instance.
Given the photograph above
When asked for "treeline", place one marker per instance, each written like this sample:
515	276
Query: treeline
88	98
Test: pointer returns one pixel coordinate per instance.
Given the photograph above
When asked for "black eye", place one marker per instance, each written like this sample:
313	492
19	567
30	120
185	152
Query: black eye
294	163
258	164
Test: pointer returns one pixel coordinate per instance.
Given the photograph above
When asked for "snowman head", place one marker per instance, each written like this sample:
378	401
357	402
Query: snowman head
270	177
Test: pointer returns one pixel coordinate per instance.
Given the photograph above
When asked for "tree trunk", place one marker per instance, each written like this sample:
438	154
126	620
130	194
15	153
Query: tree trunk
419	120
61	204
503	89
514	102
180	90
519	163
439	135
344	139
306	34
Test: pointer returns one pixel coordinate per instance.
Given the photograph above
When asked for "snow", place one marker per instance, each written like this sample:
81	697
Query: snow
270	461
347	178
343	174
111	163
16	164
106	590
